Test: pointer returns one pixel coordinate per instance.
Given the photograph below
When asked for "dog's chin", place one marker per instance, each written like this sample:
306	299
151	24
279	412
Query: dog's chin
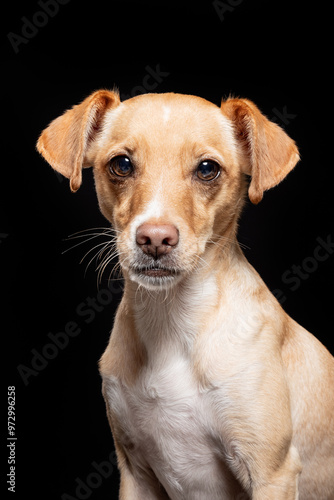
155	278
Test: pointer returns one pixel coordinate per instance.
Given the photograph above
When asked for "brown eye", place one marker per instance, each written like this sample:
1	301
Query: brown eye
207	170
121	166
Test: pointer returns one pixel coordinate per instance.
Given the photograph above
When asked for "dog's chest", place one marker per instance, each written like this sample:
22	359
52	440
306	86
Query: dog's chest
167	424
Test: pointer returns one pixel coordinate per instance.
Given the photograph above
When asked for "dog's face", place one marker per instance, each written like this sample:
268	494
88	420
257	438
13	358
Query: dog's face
169	172
167	177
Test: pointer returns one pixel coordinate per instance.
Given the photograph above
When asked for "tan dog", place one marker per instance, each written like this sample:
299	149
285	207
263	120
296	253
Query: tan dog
212	391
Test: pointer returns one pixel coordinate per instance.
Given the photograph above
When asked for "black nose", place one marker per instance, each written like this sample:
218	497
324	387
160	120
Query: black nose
157	239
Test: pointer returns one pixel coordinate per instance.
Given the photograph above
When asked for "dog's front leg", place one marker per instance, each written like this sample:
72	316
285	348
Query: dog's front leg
278	465
283	484
137	484
256	431
139	488
134	485
275	484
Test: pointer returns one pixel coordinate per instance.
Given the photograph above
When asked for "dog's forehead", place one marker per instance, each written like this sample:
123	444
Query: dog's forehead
164	118
179	103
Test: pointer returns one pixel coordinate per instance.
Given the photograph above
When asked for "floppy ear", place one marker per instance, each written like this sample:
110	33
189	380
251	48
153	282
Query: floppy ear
65	143
268	153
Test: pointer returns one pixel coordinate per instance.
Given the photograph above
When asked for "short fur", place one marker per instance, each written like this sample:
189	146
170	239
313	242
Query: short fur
212	390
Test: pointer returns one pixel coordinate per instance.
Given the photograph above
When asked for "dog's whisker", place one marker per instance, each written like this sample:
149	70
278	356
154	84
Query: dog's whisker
170	293
103	264
95	256
201	259
90	234
112	250
116	277
105	245
107	259
226	239
109	232
118	266
102	229
103	252
81	243
78	236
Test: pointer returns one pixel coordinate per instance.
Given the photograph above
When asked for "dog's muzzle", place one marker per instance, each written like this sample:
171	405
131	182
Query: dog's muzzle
155	264
157	239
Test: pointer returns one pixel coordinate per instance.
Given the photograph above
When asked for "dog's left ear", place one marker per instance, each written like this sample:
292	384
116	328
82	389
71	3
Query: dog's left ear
267	152
67	141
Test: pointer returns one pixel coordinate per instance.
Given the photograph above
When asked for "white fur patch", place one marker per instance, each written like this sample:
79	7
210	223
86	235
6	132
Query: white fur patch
109	120
154	208
167	420
168	428
166	114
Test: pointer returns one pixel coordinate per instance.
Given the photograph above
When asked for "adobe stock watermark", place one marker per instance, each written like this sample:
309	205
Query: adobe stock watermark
3	236
101	472
296	274
282	118
222	8
151	80
57	342
30	27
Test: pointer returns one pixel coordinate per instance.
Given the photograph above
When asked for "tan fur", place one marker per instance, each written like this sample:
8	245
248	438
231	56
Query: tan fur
212	391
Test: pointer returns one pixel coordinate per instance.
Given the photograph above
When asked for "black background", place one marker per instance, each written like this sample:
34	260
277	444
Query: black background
275	53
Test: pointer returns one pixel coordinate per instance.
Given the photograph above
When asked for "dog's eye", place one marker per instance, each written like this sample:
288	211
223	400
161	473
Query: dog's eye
121	166
207	170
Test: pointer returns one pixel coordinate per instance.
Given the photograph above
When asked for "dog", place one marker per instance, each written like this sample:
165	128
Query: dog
212	390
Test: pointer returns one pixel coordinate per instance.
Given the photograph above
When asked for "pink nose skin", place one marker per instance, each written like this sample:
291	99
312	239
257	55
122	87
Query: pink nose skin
157	239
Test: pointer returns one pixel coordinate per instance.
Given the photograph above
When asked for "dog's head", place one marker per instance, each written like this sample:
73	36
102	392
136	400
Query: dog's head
169	172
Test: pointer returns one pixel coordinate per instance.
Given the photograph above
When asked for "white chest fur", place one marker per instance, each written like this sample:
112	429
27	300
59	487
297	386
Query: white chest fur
167	422
167	425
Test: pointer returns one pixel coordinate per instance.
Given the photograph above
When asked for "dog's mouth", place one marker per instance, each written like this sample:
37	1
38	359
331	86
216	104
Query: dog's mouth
155	276
156	272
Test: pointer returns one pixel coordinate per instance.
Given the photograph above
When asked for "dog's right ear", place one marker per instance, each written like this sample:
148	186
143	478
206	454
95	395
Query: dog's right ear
66	142
269	154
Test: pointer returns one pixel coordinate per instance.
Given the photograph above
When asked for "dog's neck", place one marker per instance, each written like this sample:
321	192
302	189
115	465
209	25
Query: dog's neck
171	319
